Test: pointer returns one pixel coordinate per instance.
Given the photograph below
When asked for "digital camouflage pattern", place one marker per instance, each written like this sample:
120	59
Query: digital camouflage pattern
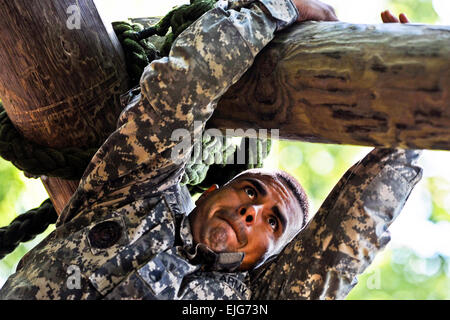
125	231
342	239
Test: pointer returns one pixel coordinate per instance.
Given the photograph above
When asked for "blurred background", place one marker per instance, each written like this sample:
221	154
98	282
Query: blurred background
416	263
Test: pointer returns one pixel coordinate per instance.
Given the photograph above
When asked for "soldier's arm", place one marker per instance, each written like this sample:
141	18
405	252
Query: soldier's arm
137	160
350	228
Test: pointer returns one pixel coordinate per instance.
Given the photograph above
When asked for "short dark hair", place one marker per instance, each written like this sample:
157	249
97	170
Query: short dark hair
298	191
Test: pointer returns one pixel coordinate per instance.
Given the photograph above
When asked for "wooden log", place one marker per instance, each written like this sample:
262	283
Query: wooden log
60	84
373	85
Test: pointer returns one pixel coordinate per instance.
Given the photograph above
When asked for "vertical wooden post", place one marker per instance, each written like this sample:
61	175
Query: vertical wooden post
62	73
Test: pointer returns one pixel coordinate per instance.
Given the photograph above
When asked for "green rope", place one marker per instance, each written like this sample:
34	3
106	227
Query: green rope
36	160
26	227
212	150
139	52
222	173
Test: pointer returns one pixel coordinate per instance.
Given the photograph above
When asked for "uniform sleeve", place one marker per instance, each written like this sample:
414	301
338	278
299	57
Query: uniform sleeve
179	94
350	228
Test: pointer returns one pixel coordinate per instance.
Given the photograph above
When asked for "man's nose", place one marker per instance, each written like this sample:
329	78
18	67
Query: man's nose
250	213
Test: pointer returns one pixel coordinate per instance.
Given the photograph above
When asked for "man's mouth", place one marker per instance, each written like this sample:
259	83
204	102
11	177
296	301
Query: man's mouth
237	226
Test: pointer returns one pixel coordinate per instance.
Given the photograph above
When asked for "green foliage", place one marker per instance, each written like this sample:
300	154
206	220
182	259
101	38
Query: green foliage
16	196
418	11
440	194
10	188
317	166
400	274
397	273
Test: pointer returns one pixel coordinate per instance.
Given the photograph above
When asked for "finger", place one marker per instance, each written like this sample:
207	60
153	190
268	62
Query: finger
385	17
391	17
332	10
332	17
403	18
388	17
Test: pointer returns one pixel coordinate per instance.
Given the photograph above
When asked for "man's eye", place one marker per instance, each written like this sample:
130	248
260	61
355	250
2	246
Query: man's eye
250	192
273	223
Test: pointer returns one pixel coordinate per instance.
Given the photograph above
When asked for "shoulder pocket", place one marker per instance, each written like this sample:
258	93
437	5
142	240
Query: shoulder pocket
142	237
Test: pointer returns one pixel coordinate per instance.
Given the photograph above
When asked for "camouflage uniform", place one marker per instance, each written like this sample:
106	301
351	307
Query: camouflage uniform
125	229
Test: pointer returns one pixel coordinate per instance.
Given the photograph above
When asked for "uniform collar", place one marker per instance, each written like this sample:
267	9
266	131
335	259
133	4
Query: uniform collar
201	254
186	233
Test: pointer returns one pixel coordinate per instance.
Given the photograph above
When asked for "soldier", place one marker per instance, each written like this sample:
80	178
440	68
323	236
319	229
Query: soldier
130	231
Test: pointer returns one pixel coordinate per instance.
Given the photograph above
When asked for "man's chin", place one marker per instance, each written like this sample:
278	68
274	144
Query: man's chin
218	239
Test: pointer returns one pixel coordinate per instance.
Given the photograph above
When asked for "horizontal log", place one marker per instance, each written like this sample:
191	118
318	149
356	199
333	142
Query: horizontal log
334	82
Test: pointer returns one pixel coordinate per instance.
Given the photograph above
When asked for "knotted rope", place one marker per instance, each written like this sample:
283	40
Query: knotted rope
222	173
36	160
26	227
139	52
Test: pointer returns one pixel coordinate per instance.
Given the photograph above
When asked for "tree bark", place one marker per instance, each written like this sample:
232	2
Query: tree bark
374	85
60	86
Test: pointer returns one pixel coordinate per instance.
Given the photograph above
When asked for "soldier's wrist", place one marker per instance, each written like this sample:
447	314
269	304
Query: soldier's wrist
284	12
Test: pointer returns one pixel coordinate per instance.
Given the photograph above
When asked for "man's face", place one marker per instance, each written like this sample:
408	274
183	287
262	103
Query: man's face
252	214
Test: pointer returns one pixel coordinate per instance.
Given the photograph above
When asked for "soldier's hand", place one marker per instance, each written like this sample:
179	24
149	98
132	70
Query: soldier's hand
388	17
315	10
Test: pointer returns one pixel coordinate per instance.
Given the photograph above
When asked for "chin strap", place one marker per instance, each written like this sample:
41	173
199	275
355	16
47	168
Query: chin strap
213	261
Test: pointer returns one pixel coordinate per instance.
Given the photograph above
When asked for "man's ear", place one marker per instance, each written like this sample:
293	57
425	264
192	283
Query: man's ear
205	194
